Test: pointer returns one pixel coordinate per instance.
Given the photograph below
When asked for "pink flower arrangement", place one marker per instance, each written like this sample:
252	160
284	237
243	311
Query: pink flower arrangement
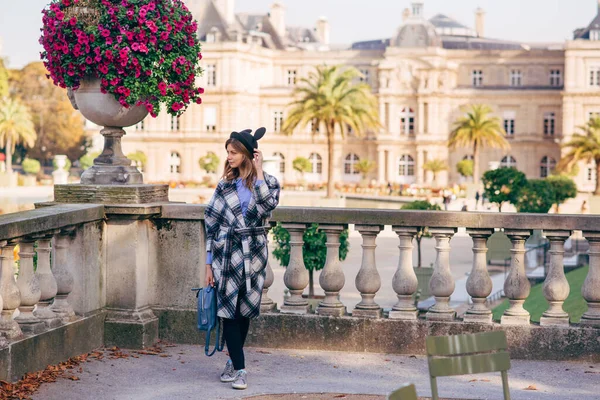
145	52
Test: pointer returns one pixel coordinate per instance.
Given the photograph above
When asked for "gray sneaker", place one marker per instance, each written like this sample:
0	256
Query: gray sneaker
240	380
228	374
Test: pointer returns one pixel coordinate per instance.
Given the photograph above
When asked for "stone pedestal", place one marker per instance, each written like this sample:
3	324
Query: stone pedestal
130	329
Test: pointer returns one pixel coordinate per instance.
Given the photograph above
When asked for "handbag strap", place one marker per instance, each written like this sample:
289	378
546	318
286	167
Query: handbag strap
219	340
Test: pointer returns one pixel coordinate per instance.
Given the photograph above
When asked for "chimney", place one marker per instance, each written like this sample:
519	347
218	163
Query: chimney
406	14
323	30
227	9
480	21
277	17
417	9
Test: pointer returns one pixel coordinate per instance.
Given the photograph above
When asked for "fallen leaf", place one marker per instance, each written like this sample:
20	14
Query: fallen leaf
530	387
73	378
165	355
340	396
412	357
591	372
335	366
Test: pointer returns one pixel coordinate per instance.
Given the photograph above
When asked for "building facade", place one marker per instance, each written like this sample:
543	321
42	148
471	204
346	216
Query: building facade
423	76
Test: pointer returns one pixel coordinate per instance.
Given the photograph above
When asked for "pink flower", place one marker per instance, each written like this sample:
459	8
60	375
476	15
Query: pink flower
73	21
135	46
60	15
162	88
150	108
105	33
200	90
114	81
89	60
143	48
152	26
168	47
103	68
176	106
164	35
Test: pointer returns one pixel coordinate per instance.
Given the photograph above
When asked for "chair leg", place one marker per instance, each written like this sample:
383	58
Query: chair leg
434	388
505	385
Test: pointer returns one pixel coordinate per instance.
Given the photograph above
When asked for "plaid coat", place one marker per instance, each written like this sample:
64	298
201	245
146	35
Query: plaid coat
239	245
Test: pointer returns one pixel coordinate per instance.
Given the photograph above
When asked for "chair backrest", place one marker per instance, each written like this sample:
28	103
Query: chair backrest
406	392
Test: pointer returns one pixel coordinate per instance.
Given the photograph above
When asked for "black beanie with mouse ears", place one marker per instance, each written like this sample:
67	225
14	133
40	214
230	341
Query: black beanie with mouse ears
249	141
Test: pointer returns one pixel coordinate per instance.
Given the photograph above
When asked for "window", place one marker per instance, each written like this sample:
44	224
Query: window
350	164
210	119
365	75
595	76
593	115
139	126
175	163
508	161
317	163
595	34
277	121
477	77
516	78
406	166
555	77
468	157
314	126
211	75
590	174
509	123
407	121
281	162
175	123
549	123
547	165
291	77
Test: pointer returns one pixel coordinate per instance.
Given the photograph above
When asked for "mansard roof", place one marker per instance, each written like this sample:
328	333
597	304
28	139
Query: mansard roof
584	33
444	21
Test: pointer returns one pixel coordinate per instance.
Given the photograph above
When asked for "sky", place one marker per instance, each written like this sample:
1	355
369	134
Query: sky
350	20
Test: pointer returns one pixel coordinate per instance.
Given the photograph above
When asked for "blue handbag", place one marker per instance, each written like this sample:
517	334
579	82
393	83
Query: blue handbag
207	317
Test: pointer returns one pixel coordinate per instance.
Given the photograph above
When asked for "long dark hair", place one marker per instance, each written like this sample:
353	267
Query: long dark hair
246	170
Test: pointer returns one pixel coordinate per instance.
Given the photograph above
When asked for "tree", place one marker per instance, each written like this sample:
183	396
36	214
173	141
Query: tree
87	160
365	166
465	168
209	163
537	196
15	127
584	146
302	165
332	97
503	185
59	128
478	129
435	166
3	80
423	230
314	249
564	189
31	166
139	158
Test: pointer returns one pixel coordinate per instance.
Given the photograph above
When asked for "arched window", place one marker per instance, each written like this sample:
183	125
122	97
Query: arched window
508	161
350	164
406	166
407	121
281	162
468	157
546	166
317	163
175	163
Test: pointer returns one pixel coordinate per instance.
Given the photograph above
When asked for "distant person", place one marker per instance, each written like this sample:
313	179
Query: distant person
464	207
477	197
584	207
446	200
390	189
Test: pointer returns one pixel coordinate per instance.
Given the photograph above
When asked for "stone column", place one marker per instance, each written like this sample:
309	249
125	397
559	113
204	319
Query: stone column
516	286
441	284
63	276
266	303
29	287
556	286
368	281
479	284
296	275
11	296
48	285
332	278
381	167
405	282
591	286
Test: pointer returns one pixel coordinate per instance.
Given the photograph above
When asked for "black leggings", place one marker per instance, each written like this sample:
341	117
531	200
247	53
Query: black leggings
235	332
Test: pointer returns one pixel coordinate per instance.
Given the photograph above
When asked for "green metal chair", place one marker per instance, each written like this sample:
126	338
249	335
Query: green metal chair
468	354
406	392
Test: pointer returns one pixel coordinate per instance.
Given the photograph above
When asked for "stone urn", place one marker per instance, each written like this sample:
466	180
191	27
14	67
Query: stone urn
111	167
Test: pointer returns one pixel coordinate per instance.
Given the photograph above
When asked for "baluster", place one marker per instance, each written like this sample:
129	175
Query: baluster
11	296
47	282
556	286
266	303
441	284
296	274
367	280
332	278
405	281
516	286
29	287
591	286
63	276
479	284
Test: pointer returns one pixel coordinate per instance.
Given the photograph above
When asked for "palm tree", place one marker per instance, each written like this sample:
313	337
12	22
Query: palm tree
584	147
435	166
330	97
478	129
16	127
365	166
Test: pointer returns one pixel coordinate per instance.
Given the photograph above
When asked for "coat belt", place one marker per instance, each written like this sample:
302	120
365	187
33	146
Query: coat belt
244	235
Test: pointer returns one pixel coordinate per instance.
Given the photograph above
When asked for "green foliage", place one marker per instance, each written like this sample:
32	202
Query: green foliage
302	165
422	231
584	146
465	168
365	166
3	80
16	127
314	250
209	163
503	185
31	166
87	160
67	165
564	188
537	196
139	158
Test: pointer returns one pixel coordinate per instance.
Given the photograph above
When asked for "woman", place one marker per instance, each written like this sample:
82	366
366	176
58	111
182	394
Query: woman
236	244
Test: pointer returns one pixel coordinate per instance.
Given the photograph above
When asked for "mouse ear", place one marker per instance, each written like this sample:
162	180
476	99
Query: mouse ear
248	131
260	132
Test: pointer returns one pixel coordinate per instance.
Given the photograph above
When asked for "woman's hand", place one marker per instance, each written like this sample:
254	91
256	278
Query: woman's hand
258	163
209	279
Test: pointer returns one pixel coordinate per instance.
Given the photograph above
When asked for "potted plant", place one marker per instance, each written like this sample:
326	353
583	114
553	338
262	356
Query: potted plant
121	59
